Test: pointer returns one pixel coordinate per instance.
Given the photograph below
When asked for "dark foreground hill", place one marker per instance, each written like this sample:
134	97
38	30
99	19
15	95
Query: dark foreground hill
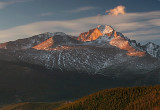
134	98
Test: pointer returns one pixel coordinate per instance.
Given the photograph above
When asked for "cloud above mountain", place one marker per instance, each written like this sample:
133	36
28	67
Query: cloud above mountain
119	10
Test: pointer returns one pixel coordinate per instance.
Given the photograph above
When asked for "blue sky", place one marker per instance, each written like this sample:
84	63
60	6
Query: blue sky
24	18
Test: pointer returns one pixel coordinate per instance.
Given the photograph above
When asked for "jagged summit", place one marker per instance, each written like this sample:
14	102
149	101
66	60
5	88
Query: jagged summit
117	39
105	29
95	33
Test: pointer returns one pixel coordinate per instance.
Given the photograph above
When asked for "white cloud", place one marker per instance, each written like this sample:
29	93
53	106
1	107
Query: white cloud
139	26
81	9
117	10
10	2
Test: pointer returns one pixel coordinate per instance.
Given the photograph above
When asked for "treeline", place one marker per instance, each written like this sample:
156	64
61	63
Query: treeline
133	98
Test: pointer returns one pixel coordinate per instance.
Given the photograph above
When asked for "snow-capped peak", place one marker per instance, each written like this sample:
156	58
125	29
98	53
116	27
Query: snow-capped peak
105	29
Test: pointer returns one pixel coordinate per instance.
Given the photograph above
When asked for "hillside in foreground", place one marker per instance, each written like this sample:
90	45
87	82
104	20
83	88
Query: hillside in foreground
134	98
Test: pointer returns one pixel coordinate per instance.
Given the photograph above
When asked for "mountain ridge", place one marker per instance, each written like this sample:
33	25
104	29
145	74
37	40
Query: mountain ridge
91	52
116	39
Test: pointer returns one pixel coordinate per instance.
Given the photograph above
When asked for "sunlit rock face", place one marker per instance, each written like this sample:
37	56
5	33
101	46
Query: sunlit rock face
44	45
90	35
57	42
94	34
124	44
117	40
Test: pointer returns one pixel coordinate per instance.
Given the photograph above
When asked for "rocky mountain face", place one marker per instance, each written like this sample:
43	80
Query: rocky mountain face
114	39
93	52
152	49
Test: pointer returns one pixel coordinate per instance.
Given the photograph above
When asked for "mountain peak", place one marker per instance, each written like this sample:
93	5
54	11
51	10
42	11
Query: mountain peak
113	38
97	32
105	29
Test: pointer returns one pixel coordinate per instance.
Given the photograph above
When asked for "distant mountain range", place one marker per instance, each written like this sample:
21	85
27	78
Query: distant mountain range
98	59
